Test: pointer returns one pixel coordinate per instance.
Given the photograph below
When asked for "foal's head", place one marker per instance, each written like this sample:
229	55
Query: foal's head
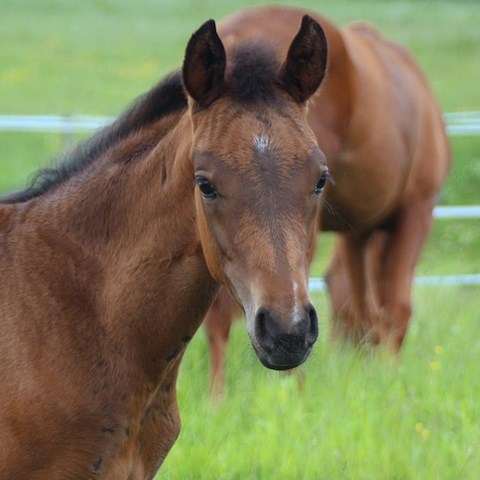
259	176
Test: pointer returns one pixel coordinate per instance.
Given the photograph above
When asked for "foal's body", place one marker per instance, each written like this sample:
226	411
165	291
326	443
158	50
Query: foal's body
386	147
109	347
109	263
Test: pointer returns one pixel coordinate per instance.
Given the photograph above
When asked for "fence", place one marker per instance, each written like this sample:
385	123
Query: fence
464	123
317	284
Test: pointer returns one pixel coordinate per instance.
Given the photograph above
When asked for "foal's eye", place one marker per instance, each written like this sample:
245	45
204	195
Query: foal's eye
206	187
321	183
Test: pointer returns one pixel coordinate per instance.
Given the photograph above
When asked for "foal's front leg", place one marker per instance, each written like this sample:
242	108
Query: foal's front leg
158	430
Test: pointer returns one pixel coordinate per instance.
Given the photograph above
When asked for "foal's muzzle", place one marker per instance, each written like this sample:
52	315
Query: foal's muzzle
279	348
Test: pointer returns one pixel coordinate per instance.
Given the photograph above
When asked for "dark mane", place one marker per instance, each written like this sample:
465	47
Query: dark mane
253	72
166	97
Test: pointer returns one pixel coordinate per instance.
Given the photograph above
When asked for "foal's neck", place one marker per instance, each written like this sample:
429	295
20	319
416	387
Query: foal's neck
130	198
134	218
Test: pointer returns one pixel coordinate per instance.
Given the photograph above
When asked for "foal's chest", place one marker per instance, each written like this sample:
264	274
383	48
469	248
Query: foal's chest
141	444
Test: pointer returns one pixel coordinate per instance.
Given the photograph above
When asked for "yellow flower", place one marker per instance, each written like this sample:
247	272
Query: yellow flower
424	432
435	365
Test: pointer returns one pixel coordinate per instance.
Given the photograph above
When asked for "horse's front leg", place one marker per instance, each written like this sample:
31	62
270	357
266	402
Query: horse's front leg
348	286
338	287
411	228
375	273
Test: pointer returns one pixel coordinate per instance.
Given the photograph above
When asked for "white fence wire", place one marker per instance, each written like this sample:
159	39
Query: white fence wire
317	284
463	123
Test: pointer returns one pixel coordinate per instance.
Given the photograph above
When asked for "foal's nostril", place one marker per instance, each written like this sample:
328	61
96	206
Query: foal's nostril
312	332
306	327
270	334
263	327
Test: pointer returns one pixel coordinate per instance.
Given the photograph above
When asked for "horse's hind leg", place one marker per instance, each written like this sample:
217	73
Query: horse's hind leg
410	230
217	323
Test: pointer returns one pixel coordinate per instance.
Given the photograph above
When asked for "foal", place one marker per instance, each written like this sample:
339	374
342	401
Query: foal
109	263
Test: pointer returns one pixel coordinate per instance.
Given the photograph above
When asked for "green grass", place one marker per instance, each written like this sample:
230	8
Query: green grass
360	415
59	56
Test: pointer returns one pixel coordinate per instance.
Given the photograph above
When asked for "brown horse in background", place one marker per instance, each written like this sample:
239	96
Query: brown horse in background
384	139
109	262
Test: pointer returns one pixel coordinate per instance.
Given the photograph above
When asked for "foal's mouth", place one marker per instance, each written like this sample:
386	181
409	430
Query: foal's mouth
280	357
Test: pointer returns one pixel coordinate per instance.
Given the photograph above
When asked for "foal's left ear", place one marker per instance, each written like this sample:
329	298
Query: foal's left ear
306	63
204	65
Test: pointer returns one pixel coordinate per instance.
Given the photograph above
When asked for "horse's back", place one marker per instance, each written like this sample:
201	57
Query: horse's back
375	117
406	82
396	147
395	112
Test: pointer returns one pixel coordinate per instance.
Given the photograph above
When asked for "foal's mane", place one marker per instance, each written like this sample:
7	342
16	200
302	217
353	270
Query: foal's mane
166	97
251	78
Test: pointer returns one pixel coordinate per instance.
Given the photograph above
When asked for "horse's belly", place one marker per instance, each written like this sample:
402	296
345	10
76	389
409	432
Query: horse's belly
359	201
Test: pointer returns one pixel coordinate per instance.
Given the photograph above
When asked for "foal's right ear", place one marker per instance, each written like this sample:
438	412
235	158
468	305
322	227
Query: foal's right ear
204	65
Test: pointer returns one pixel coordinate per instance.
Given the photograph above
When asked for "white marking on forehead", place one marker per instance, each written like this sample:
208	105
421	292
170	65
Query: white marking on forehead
261	143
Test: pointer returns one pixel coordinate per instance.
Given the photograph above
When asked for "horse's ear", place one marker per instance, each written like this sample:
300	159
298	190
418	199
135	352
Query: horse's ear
306	63
204	65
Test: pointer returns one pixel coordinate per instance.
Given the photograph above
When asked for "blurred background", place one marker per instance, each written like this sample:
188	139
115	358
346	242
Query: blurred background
353	414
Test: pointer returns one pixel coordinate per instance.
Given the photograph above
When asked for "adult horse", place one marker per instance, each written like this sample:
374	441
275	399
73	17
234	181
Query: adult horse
384	139
109	263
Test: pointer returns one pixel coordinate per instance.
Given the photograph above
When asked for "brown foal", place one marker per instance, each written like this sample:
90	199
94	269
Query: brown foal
110	262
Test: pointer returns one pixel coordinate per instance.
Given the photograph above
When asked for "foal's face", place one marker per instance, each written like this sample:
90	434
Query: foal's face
259	177
259	180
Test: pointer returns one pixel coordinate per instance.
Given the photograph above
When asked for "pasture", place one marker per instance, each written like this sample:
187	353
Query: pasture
356	414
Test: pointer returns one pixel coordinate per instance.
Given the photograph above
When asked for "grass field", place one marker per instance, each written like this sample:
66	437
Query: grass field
359	415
